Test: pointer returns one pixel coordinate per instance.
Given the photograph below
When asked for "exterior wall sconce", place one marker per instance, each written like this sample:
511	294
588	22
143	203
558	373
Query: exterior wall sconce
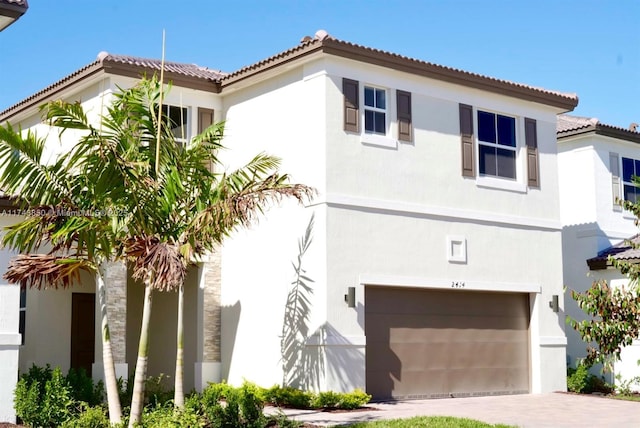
350	297
553	304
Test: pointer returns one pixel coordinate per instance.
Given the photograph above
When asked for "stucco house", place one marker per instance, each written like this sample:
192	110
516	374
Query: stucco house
10	11
436	253
596	163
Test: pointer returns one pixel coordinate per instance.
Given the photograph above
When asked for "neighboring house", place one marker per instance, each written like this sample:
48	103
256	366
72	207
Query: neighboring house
596	163
10	297
11	11
436	245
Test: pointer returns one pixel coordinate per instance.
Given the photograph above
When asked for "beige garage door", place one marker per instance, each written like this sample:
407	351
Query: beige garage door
441	343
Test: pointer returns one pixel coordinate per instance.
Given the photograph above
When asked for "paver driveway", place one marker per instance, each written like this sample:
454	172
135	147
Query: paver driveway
554	410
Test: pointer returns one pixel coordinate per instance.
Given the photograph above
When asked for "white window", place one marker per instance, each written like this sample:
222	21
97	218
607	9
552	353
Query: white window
497	147
375	110
178	121
630	169
23	312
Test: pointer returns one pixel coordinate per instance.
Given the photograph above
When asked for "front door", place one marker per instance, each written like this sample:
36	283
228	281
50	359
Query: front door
83	311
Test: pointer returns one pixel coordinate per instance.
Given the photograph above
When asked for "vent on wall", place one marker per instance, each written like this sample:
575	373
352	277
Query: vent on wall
456	249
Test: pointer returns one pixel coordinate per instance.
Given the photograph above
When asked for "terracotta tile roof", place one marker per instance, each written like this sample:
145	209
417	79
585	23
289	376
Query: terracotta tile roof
194	76
626	250
17	2
124	65
567	126
326	43
191	70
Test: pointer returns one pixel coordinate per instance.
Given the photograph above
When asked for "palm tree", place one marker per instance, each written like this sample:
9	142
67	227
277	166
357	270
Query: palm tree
184	211
176	209
49	192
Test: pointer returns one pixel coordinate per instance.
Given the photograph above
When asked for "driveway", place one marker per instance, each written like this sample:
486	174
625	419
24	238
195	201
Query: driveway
553	410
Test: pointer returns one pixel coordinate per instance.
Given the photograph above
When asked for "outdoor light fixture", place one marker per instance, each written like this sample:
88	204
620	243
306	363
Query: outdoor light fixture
10	11
553	304
350	297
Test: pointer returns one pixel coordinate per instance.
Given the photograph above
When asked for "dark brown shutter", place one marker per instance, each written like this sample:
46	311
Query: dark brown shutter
403	100
614	166
205	120
468	143
531	139
351	105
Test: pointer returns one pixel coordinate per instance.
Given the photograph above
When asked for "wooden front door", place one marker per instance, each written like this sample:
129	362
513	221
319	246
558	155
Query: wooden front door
83	312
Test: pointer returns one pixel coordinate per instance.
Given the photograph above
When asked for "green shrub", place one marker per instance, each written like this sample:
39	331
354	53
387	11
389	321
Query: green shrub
156	391
251	405
125	390
227	407
579	380
288	397
162	416
83	387
326	400
90	417
354	400
43	397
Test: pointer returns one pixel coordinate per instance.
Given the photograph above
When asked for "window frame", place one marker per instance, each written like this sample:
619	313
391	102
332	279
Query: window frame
624	183
185	113
22	317
516	184
376	138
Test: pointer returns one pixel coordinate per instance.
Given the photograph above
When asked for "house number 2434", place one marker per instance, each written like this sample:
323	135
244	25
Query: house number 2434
457	284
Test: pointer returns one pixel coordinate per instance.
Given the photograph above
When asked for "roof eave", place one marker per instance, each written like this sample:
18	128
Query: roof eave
396	62
601	129
136	71
110	67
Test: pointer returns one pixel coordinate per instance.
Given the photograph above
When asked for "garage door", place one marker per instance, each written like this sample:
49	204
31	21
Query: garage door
441	343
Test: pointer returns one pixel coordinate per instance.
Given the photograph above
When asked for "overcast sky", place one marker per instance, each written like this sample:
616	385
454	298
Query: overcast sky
588	47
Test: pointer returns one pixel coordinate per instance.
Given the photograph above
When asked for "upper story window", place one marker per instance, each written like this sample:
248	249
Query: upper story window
385	112
630	169
496	145
375	110
493	149
178	121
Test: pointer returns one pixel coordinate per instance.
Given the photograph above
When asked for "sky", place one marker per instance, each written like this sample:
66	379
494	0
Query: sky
588	47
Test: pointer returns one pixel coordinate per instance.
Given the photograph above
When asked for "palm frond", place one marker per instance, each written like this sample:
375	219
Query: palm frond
46	271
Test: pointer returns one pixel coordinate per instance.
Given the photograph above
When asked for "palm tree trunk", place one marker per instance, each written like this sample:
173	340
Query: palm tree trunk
137	399
178	398
113	399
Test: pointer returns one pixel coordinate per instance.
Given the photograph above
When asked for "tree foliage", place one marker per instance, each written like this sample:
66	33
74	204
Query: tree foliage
614	312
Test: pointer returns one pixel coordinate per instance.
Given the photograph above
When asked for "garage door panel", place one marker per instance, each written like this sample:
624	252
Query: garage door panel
438	302
423	343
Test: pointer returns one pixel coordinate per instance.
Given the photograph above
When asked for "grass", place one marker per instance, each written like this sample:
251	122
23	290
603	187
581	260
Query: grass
625	397
428	422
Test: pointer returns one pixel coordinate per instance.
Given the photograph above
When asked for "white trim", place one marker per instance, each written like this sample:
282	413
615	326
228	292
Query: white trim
500	183
333	340
379	140
454	283
552	341
14	339
609	234
346	201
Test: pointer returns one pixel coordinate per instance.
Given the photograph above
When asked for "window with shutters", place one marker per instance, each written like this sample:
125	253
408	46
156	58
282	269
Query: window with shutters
381	116
497	151
630	169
